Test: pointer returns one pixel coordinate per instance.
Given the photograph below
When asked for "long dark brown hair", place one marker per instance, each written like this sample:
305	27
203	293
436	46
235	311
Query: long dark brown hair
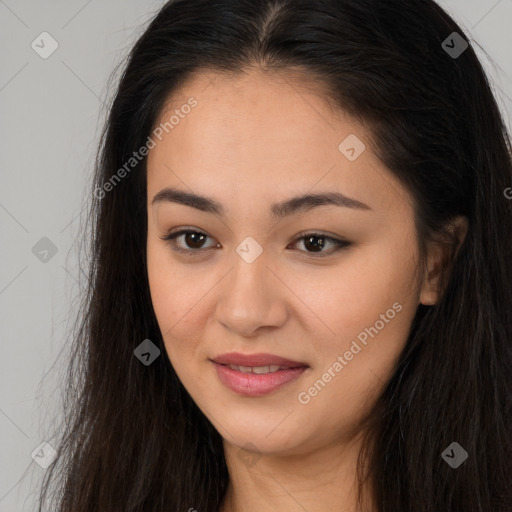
133	439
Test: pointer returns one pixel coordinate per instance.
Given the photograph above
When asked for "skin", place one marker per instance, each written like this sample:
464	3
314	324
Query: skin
253	140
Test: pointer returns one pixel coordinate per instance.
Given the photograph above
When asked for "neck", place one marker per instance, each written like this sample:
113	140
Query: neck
324	479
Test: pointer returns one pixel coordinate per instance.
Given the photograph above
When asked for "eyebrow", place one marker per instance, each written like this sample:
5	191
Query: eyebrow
278	210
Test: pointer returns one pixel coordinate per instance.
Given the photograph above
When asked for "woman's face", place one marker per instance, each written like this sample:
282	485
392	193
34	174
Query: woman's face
249	281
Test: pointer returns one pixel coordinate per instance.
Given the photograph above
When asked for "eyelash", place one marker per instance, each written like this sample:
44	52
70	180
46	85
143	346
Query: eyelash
339	244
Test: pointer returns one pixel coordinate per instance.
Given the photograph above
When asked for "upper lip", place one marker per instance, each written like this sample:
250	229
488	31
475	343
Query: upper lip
255	360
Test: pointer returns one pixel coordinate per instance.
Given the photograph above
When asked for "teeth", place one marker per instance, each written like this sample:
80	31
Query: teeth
258	369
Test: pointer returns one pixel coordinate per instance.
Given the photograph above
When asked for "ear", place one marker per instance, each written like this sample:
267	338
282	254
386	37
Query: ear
440	257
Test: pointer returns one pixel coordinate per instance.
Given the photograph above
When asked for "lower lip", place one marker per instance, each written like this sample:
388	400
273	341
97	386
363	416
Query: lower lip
253	384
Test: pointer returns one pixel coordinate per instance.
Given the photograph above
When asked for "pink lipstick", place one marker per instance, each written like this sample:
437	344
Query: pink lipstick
256	374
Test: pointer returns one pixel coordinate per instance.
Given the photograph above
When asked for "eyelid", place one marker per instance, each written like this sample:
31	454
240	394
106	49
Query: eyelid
339	242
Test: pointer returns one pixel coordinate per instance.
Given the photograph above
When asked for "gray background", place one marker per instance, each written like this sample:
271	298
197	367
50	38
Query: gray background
52	111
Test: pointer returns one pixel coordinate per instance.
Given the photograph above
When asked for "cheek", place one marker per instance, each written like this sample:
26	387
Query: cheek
171	291
354	366
170	295
179	295
160	278
349	297
367	306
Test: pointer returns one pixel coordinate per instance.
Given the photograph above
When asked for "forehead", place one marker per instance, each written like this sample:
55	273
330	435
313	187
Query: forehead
254	84
270	105
265	133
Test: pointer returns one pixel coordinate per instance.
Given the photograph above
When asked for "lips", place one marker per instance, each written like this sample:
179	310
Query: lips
252	360
254	384
256	375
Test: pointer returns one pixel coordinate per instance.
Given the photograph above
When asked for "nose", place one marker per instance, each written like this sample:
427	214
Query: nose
251	298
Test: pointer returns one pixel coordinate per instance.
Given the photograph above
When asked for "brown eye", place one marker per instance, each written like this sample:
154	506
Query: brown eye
314	243
193	240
